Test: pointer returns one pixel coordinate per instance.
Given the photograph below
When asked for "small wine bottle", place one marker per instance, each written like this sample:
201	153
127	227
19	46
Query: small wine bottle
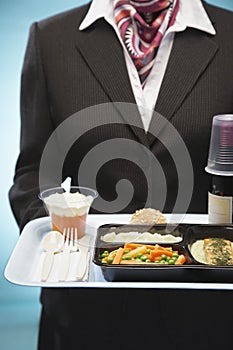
220	206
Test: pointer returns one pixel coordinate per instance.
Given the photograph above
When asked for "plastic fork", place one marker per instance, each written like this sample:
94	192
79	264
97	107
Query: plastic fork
70	245
74	238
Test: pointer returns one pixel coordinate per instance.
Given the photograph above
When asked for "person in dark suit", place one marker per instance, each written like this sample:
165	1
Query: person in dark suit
83	73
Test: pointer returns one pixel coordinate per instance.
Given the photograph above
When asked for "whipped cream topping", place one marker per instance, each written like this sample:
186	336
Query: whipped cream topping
68	204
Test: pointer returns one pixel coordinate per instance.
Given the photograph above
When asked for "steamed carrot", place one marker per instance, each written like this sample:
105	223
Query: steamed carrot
157	258
162	248
159	252
118	256
130	245
139	250
112	253
180	260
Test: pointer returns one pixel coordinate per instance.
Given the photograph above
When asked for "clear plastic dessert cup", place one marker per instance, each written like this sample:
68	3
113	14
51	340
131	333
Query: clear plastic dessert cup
220	159
68	209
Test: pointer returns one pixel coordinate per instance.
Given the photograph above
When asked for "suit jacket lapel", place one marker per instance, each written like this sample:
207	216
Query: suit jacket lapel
192	52
103	54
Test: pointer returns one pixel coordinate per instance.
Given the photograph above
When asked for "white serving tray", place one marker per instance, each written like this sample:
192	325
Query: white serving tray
24	263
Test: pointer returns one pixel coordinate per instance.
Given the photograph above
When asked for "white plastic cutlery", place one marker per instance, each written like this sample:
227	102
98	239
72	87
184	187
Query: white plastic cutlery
70	245
65	244
83	247
51	243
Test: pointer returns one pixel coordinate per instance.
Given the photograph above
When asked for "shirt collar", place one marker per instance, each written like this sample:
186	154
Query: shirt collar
98	9
191	14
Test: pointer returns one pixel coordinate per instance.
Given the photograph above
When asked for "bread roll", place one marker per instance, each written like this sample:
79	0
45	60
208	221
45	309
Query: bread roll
147	216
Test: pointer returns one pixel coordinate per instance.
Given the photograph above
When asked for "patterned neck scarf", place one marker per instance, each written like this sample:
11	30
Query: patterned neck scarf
142	25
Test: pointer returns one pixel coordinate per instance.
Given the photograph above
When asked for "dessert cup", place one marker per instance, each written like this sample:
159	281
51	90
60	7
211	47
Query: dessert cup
68	209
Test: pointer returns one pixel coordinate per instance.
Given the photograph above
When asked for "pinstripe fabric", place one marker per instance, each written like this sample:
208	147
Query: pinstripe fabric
70	74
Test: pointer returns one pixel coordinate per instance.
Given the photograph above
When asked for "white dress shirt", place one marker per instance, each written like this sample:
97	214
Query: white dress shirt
191	14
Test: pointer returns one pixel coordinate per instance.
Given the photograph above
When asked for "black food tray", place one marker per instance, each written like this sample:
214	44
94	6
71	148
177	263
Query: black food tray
191	271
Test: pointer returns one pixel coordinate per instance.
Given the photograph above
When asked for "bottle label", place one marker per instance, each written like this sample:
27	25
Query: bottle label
219	209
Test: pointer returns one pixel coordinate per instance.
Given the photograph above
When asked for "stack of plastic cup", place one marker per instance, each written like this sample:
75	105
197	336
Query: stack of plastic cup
220	160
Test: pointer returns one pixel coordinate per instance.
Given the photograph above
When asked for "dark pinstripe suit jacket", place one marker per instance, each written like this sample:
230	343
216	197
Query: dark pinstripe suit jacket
66	71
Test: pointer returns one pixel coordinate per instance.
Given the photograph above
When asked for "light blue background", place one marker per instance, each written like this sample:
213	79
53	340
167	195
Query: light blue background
19	306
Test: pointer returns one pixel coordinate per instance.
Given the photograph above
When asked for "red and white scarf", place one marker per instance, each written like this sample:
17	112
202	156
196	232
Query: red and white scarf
140	37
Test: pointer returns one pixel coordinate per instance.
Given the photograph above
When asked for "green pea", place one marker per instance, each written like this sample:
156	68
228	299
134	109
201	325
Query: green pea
175	255
144	258
164	257
148	251
162	261
127	257
148	261
139	255
171	262
110	260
